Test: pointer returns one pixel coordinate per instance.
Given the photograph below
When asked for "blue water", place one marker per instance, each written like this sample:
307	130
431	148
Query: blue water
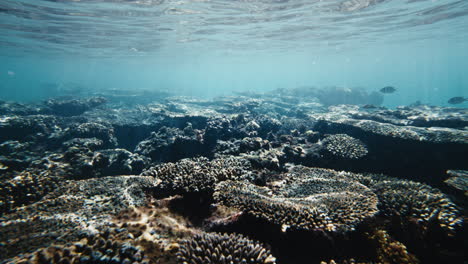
209	48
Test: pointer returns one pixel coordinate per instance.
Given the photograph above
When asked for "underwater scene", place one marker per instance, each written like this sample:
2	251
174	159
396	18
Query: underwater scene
233	131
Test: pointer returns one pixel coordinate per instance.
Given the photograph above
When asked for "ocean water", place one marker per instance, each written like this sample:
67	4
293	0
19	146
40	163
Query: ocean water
211	48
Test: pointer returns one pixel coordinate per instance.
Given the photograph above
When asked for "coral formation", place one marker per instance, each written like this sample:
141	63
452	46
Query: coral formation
171	144
309	199
414	200
197	175
73	107
60	177
391	251
344	146
100	248
213	248
458	180
24	189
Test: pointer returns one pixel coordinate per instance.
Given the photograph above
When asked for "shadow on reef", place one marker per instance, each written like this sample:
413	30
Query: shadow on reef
409	157
241	177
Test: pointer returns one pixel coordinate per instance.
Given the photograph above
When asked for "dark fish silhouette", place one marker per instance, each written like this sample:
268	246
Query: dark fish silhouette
369	106
457	100
388	89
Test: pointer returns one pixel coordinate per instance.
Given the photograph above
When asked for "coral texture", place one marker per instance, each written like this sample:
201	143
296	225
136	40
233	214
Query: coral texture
197	175
309	199
213	248
344	146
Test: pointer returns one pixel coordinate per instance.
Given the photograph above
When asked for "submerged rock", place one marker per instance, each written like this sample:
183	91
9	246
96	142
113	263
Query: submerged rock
458	180
73	107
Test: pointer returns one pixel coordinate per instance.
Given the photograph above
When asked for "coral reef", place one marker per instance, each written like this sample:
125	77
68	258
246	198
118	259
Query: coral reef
24	188
413	200
101	248
458	180
349	183
70	209
223	248
171	144
196	175
73	107
309	199
101	131
391	251
344	146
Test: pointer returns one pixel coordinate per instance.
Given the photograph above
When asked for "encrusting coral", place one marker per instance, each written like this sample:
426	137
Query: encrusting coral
214	248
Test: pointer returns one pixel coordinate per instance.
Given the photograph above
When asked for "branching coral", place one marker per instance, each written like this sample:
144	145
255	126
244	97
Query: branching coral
414	200
344	146
197	175
391	251
99	249
214	248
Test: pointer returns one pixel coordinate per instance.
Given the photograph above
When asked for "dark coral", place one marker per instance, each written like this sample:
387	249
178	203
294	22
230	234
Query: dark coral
102	131
391	251
414	201
101	248
197	175
214	248
172	144
73	107
118	162
24	188
27	128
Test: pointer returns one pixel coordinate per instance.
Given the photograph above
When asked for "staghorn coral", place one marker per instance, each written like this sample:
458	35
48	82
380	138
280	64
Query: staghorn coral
344	146
214	248
197	175
308	199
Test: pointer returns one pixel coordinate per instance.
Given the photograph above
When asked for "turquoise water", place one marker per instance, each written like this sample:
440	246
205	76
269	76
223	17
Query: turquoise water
209	48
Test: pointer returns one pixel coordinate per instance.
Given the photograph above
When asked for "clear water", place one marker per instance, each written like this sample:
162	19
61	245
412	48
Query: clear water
209	48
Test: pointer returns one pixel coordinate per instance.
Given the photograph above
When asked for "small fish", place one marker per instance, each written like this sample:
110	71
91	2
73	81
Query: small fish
457	100
388	89
11	73
369	106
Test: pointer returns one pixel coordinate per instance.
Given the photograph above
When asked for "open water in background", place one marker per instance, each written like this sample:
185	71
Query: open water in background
211	48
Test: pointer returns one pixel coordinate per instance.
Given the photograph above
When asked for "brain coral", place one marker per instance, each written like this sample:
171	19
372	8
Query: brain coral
344	146
197	174
214	248
308	199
